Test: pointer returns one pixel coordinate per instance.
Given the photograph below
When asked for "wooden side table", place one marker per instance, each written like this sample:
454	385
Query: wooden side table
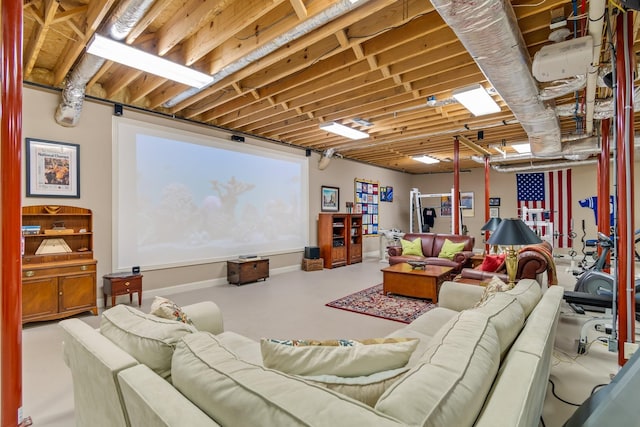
115	284
476	260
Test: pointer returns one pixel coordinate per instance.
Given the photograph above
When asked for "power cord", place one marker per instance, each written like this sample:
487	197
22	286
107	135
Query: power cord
553	391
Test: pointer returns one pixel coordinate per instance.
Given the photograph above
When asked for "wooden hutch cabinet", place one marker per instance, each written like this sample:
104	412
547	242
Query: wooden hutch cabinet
58	269
340	239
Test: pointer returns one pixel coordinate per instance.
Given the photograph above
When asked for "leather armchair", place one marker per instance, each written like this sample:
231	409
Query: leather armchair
532	262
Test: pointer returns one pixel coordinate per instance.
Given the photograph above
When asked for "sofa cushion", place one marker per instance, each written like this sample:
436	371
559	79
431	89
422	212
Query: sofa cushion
491	263
167	309
234	392
448	386
367	388
506	315
345	358
528	293
450	249
149	339
412	247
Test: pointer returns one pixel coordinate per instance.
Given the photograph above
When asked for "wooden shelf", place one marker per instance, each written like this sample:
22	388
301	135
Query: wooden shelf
57	285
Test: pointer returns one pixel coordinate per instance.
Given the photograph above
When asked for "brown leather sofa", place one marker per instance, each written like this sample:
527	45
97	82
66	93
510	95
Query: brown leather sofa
431	247
533	260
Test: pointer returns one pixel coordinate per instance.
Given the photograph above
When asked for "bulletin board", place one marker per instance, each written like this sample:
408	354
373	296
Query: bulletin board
367	198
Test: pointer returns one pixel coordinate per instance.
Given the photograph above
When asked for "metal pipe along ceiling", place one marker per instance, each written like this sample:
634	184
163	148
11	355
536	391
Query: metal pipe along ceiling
489	31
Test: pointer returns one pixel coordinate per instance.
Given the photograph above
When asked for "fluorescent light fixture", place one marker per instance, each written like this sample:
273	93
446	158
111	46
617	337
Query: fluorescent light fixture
522	148
112	50
426	159
343	130
477	100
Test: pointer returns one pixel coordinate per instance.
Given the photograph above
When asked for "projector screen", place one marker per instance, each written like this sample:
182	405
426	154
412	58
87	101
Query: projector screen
181	198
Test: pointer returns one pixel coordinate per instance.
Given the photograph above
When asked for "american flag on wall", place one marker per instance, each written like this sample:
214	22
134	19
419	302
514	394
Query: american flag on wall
550	191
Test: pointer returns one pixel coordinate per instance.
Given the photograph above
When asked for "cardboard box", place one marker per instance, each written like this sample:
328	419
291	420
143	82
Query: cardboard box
312	264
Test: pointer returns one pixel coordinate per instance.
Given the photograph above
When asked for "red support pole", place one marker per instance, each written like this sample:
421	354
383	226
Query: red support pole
10	278
486	200
625	65
604	185
455	203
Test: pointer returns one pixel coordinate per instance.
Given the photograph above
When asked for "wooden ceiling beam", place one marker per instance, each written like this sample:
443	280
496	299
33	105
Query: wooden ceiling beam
35	42
300	9
96	13
152	14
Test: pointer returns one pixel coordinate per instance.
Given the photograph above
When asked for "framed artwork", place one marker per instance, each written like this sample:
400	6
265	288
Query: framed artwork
494	212
330	200
466	204
386	194
445	206
494	201
367	196
52	168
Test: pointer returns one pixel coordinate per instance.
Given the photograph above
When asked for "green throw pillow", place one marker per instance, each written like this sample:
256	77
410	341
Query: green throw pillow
450	249
412	248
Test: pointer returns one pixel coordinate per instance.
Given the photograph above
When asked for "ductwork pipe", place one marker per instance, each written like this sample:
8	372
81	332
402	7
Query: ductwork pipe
596	24
489	31
120	25
543	166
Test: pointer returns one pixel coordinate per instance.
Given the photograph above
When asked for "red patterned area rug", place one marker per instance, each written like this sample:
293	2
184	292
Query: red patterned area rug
373	302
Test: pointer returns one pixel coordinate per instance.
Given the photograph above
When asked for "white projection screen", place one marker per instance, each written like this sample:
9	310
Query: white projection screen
181	198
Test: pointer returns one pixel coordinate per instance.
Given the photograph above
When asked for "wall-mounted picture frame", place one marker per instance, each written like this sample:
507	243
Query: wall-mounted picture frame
494	212
330	199
445	206
466	204
386	194
494	201
52	168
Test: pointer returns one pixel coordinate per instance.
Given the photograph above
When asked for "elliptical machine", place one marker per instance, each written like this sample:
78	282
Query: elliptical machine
594	278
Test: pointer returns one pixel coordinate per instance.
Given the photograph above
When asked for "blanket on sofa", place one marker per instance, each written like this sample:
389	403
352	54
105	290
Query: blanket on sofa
552	277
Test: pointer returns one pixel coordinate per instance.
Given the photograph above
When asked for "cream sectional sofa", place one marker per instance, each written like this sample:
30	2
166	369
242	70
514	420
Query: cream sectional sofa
485	366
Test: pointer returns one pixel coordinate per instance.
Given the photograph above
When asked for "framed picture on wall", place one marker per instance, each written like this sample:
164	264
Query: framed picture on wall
330	199
466	204
52	168
494	212
494	201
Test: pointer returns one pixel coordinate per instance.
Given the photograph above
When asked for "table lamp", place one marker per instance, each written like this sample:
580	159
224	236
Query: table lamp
491	226
513	232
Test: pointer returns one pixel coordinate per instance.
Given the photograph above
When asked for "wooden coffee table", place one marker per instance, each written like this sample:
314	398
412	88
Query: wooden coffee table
424	282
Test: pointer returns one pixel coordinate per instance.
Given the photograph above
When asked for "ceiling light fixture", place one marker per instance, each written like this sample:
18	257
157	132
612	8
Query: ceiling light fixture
426	159
343	130
121	53
476	99
522	148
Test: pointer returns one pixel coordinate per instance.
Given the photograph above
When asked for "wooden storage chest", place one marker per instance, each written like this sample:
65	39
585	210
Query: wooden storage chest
240	272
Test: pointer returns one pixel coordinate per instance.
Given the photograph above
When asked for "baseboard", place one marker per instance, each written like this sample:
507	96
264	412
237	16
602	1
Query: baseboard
193	286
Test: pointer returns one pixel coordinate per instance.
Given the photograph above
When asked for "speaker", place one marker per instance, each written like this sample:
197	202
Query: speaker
117	109
237	138
307	152
311	252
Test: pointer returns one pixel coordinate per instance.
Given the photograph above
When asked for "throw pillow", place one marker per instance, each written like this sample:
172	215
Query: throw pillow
450	249
167	309
367	389
344	358
495	285
492	262
412	247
